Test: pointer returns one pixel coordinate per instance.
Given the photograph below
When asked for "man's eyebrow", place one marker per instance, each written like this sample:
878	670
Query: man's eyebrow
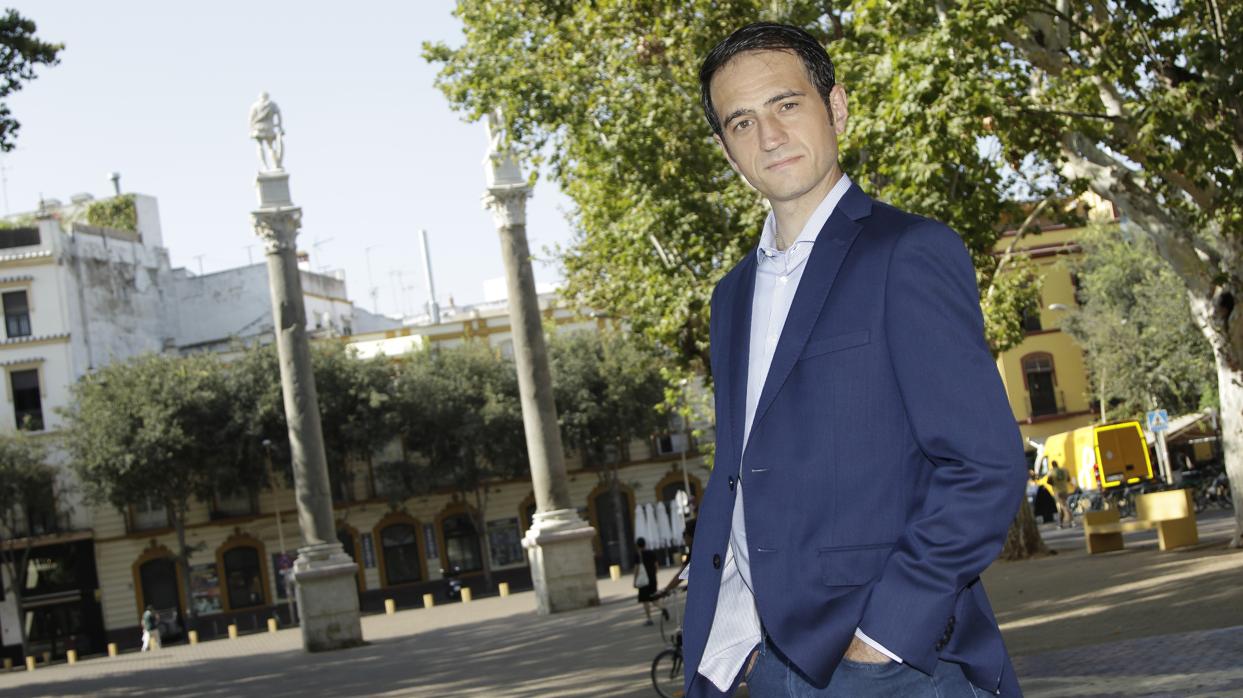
768	102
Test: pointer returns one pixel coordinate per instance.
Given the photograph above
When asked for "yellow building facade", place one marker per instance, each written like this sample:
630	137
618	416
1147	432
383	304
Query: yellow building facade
242	545
1046	375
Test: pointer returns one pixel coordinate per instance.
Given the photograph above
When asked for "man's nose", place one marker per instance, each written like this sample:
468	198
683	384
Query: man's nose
772	134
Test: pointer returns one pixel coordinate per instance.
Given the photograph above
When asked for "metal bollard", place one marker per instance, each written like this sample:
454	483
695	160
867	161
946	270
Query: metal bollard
503	588
30	663
8	663
194	637
271	625
47	657
390	607
429	601
72	656
615	572
466	595
232	631
112	649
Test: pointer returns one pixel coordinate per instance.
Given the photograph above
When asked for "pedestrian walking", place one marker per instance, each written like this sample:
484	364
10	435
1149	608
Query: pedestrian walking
150	629
645	578
1063	487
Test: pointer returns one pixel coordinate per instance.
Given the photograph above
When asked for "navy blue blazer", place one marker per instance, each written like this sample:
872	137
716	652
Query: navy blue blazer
884	464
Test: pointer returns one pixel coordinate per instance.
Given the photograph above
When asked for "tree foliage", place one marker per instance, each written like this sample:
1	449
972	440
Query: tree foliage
1137	328
608	387
20	53
606	96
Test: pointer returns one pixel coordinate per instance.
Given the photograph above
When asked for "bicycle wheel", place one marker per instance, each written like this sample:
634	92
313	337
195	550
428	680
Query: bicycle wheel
667	674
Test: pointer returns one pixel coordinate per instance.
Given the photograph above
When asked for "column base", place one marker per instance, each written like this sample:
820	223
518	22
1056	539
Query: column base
327	598
563	567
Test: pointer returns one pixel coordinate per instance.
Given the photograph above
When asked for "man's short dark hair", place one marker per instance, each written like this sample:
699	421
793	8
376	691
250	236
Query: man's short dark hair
641	543
766	36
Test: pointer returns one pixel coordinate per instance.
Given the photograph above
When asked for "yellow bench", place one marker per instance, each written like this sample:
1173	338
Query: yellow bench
1171	512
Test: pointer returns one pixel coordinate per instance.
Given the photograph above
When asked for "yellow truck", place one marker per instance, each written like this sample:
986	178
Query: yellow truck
1097	457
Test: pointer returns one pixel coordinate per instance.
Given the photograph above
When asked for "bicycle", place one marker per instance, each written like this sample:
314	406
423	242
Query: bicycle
666	669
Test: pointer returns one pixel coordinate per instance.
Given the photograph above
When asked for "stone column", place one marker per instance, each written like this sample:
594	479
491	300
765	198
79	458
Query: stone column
326	590
558	543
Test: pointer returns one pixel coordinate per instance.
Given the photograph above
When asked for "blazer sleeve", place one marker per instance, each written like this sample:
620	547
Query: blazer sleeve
961	420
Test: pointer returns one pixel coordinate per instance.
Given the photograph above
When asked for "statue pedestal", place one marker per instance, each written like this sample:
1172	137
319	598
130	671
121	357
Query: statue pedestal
327	598
273	189
563	565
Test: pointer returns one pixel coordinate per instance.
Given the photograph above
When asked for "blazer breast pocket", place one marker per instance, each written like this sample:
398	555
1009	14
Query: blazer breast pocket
835	343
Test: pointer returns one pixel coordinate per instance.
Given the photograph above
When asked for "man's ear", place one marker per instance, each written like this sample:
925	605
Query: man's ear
838	108
725	150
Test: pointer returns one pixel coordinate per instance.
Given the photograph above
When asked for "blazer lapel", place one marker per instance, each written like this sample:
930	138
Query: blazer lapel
737	353
827	254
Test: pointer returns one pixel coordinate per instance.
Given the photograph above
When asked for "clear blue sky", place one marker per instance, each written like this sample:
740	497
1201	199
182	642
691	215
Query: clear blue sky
159	92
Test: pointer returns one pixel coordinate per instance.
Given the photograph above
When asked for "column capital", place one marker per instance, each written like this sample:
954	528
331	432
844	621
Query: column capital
508	204
278	228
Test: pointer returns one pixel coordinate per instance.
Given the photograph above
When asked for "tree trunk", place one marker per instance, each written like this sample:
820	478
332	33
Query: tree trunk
1214	321
1023	541
1230	394
183	565
619	519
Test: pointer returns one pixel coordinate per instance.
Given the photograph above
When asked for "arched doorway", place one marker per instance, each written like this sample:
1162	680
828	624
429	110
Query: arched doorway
400	555
614	547
157	583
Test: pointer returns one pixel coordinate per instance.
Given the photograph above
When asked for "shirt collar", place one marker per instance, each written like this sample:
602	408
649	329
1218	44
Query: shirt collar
811	229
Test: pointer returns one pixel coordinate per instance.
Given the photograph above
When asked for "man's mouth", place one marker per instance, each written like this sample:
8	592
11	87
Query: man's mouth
783	163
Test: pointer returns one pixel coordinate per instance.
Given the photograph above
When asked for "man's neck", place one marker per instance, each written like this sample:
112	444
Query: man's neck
791	216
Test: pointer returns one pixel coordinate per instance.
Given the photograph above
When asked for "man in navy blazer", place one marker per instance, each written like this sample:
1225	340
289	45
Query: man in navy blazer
867	462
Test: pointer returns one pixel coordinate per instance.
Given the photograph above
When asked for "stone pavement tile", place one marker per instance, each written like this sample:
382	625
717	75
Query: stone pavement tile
1203	663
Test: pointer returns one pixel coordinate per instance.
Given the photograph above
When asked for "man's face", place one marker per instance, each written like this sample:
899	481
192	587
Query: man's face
776	130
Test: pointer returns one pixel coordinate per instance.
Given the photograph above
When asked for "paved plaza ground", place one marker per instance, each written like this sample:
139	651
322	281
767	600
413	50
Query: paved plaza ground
1136	622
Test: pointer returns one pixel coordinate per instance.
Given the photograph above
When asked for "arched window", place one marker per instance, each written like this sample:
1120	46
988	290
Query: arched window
400	545
462	549
1041	382
243	574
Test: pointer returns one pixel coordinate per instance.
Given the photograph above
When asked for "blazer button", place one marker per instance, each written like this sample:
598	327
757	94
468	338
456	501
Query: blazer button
716	562
732	482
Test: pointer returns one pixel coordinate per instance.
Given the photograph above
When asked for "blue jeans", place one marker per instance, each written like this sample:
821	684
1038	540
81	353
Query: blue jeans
774	677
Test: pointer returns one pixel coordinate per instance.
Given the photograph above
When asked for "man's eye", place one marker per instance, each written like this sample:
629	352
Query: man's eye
788	106
742	124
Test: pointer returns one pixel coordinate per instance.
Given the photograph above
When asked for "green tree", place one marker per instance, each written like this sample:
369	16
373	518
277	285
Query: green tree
608	386
28	499
606	96
157	428
460	424
354	410
1138	102
20	53
1144	348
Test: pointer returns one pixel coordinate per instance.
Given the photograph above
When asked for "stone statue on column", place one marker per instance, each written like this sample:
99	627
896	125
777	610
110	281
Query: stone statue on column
558	543
268	130
323	572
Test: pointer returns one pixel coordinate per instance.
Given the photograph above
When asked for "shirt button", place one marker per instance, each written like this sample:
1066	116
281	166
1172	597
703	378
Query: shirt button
732	482
716	562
